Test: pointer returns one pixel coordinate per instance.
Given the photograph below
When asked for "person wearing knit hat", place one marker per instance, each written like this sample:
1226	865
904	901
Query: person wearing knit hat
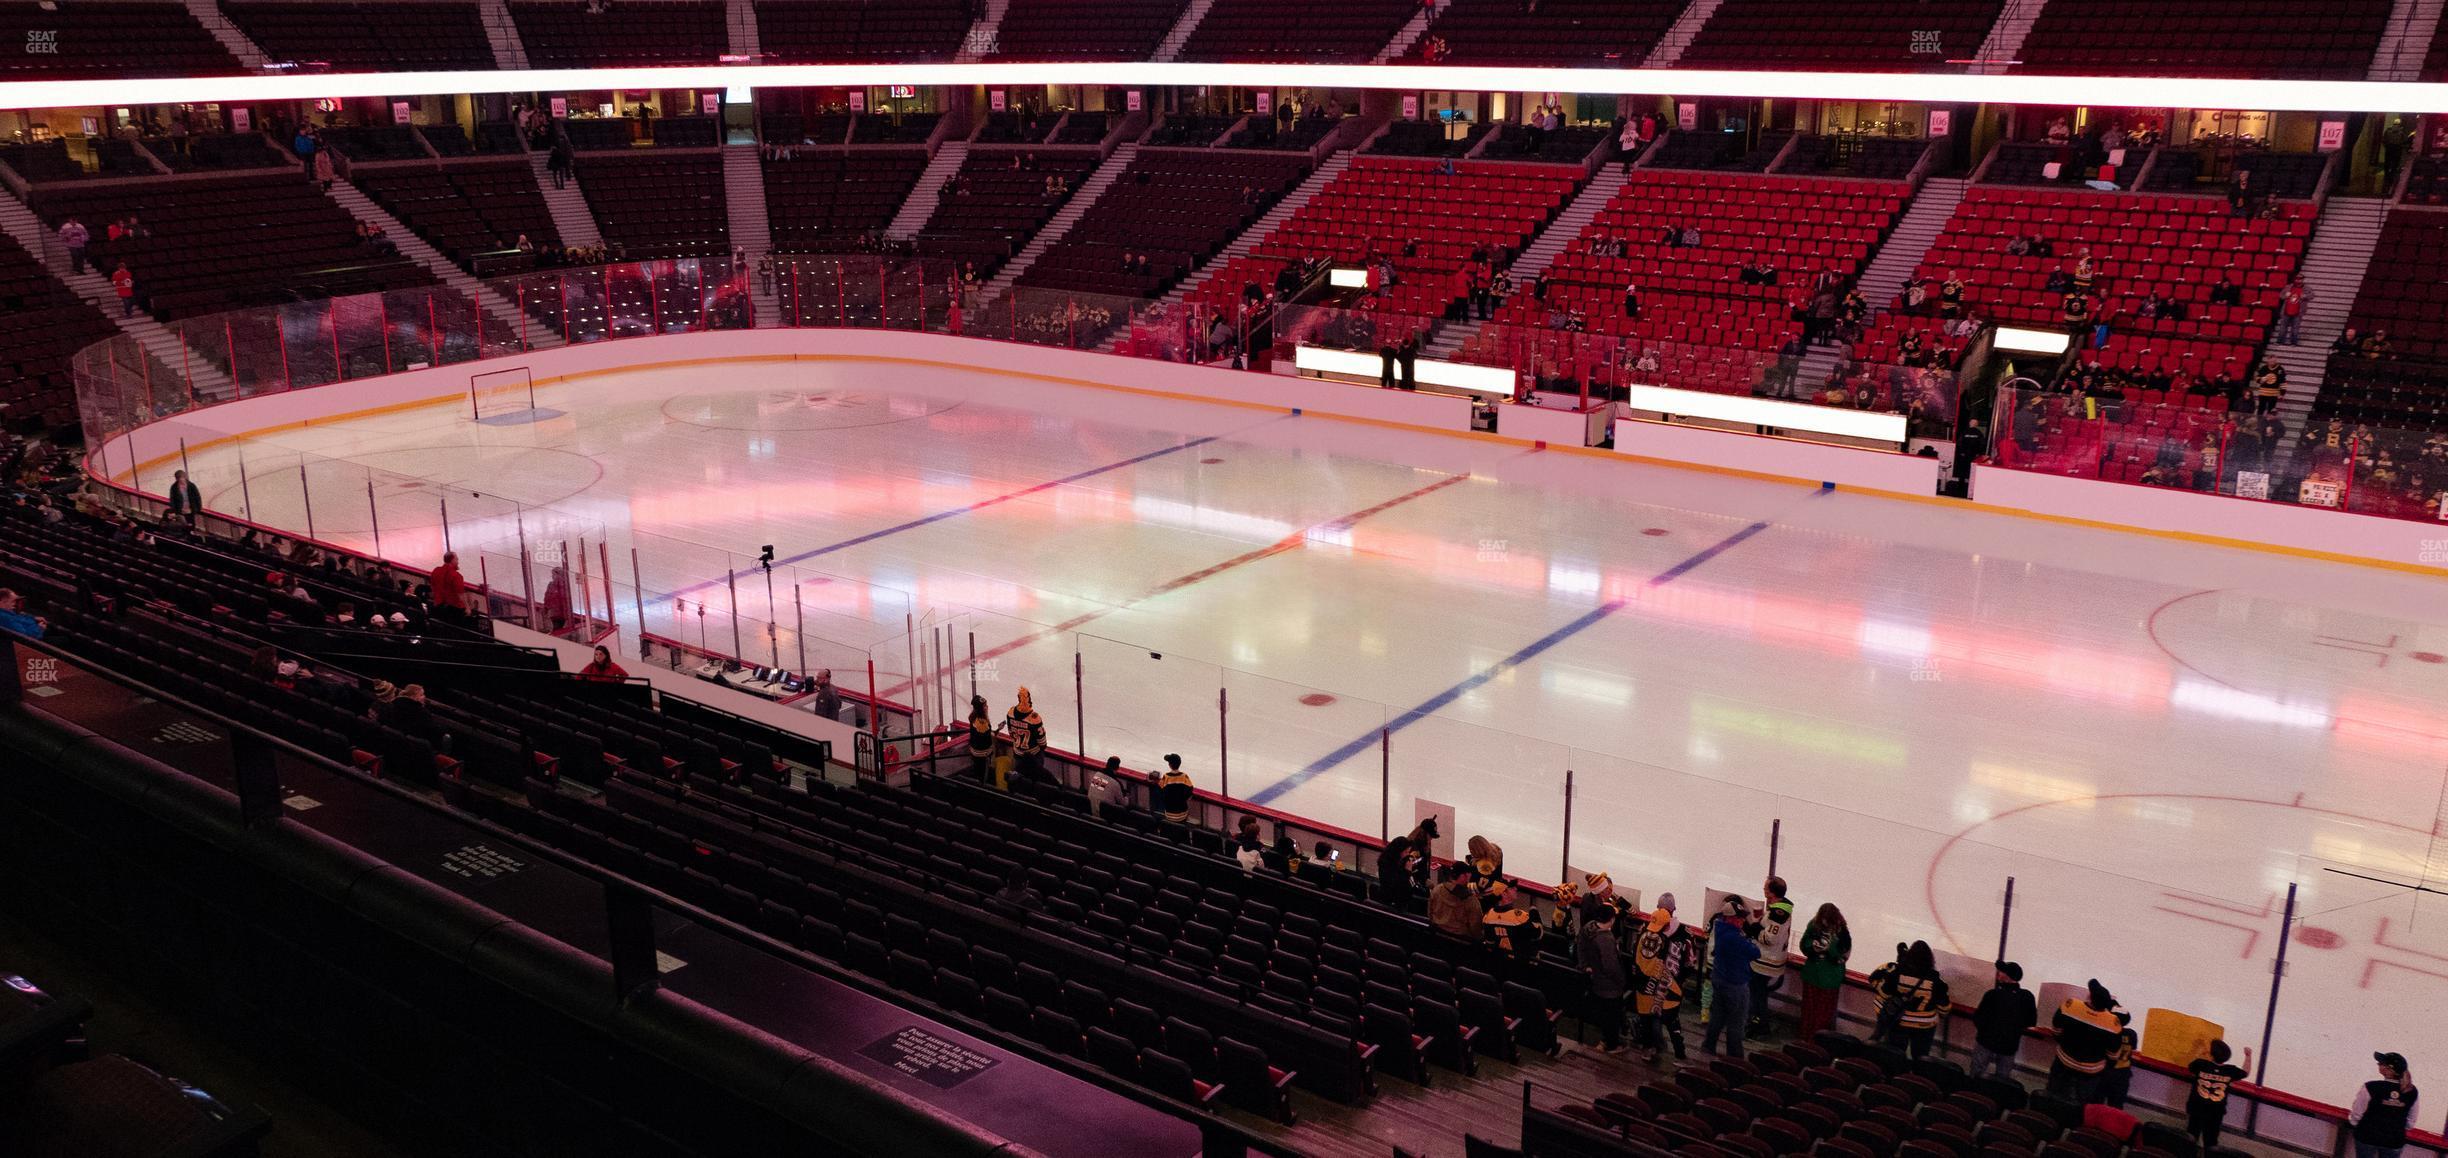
1028	737
1452	907
1174	792
1661	955
1510	926
2087	1030
1731	952
2005	1012
1600	957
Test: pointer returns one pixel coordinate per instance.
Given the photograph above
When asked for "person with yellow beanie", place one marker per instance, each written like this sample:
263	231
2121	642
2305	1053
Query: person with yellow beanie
1028	737
1661	955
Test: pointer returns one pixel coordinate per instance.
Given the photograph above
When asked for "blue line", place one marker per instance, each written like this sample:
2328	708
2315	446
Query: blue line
1537	647
979	505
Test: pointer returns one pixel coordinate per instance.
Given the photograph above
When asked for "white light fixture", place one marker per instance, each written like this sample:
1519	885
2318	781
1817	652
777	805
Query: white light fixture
1799	417
1347	278
2021	341
1928	88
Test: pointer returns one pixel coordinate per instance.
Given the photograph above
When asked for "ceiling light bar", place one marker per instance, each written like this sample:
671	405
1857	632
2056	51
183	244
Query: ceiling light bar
1934	88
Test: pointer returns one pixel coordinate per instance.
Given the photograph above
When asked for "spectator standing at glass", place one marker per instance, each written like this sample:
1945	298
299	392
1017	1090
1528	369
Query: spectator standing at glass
1826	943
2005	1012
2383	1108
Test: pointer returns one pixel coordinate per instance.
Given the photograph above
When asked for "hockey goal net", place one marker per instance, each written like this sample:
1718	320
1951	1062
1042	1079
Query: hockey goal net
494	393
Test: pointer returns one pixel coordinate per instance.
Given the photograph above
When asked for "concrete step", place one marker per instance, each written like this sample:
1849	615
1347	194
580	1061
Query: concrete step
571	217
750	219
927	194
1679	35
1081	201
1410	33
2405	41
2006	37
509	52
983	34
2334	264
250	55
1249	238
500	311
739	18
1569	223
1170	47
204	380
1902	250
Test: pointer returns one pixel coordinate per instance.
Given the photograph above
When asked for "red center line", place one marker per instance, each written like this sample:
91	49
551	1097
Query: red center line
1279	546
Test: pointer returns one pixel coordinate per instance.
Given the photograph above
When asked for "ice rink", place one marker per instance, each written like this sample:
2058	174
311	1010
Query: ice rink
2154	738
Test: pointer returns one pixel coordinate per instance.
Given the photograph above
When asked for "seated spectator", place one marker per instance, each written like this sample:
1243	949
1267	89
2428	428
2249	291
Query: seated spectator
1452	907
1511	927
1016	899
602	669
14	618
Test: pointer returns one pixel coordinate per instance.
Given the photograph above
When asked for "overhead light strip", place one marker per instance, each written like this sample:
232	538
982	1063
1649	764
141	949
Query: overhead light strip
1933	88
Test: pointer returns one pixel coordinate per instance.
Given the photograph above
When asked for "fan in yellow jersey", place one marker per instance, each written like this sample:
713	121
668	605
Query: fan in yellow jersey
1028	737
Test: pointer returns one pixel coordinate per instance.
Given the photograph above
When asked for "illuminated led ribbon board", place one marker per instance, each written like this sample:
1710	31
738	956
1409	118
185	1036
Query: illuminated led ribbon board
1794	417
1493	380
1933	88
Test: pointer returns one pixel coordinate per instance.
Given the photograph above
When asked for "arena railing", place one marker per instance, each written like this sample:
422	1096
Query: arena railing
1309	762
242	814
1337	776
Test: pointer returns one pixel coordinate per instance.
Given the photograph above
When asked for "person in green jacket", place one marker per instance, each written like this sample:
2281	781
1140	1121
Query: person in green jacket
1826	943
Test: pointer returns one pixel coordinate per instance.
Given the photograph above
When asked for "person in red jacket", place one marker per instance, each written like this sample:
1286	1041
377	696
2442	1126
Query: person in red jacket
602	668
449	586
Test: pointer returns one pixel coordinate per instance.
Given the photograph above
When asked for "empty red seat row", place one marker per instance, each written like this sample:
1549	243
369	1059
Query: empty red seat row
1381	205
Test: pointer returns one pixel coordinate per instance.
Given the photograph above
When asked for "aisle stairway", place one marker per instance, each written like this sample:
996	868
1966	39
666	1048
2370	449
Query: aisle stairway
509	52
928	192
739	16
751	227
1451	338
2333	267
1082	199
157	340
2006	37
500	311
571	217
1249	238
250	55
983	34
1679	36
1170	47
2405	41
1901	251
1410	32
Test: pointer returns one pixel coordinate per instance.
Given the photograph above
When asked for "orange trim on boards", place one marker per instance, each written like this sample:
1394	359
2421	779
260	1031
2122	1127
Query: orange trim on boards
1068	380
